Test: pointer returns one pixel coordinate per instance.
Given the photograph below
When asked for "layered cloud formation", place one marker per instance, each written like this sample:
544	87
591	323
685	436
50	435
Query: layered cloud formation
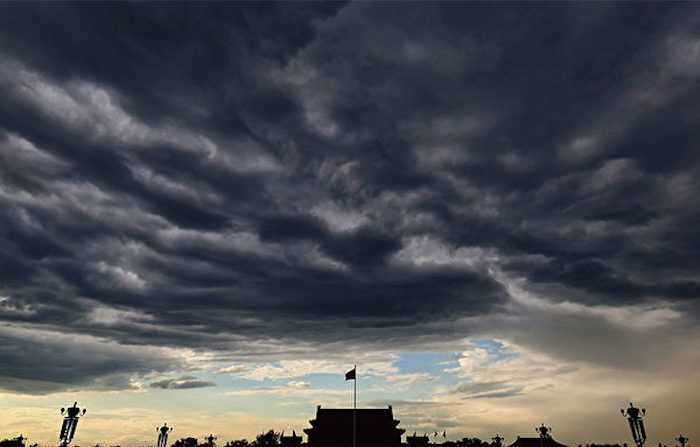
273	191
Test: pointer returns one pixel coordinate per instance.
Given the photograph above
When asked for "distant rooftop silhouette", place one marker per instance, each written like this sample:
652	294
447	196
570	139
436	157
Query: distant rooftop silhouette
376	427
290	441
418	440
536	442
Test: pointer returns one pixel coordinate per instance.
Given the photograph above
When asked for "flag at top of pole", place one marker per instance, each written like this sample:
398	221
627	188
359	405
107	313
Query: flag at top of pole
350	375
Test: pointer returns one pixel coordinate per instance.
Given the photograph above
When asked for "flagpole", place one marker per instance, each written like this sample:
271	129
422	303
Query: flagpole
354	409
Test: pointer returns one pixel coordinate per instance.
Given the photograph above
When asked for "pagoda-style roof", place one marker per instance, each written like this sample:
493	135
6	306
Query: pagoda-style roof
290	441
536	442
375	427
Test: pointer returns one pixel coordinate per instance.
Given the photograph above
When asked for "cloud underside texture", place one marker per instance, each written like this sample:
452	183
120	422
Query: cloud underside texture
240	179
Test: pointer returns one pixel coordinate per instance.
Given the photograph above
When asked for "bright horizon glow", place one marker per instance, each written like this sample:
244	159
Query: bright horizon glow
209	211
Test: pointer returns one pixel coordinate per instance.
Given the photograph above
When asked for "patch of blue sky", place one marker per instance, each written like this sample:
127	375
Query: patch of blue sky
496	350
374	388
327	381
432	363
427	362
238	381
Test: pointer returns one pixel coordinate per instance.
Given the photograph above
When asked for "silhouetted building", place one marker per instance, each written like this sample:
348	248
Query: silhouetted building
375	427
536	442
290	441
417	440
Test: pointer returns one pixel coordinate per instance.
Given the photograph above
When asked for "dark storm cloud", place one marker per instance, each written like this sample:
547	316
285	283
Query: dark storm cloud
38	362
487	390
182	383
211	175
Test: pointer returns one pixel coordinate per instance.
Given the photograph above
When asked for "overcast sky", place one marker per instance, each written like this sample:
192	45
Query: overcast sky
209	212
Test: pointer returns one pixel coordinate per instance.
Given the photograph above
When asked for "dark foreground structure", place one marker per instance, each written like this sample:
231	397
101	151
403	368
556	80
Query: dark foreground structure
536	442
417	441
290	441
15	442
375	427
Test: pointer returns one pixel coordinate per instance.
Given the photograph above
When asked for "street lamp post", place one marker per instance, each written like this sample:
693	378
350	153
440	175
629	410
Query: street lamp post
634	417
70	423
163	435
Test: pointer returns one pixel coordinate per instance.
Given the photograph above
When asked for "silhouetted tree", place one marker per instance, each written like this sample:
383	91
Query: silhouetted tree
16	442
186	442
238	443
266	439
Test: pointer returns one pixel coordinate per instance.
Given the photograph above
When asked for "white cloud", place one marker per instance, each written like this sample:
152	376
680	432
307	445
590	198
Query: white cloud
288	369
338	218
288	391
430	252
108	316
120	277
409	379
